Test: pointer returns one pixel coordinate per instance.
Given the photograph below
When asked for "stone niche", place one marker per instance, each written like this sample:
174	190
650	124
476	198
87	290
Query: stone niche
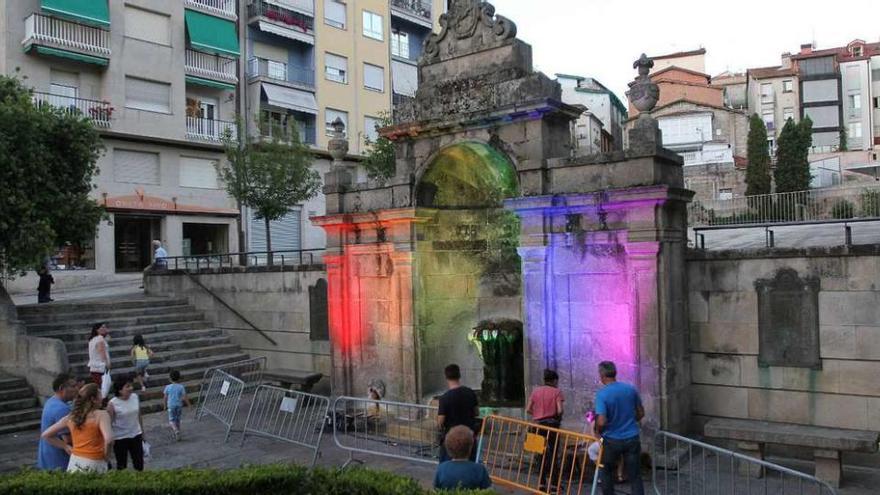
788	320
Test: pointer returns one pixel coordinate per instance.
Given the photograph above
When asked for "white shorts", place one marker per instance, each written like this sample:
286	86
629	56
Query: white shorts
81	464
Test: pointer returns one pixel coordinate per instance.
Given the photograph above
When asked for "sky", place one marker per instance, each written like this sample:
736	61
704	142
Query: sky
602	38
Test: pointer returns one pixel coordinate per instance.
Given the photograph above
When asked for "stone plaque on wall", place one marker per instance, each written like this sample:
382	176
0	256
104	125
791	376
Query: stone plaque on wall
788	320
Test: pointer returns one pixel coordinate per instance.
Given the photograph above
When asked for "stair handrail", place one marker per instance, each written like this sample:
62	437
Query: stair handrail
228	306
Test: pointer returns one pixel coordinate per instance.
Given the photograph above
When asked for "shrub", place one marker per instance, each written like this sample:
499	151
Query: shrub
275	479
843	209
870	200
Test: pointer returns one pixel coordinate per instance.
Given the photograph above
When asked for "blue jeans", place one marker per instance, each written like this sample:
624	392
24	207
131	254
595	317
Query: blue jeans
631	450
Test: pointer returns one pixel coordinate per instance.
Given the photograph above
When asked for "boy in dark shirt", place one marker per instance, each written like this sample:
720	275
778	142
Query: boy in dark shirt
458	407
44	288
460	472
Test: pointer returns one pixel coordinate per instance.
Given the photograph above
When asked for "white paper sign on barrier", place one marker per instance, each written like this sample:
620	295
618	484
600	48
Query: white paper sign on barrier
224	389
288	404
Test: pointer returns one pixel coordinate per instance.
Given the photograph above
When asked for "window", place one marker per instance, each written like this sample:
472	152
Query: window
855	130
400	44
876	102
855	101
370	132
334	14
152	96
787	86
276	70
771	143
766	93
135	167
335	68
147	26
787	113
374	77
330	116
62	96
769	119
856	51
373	25
198	172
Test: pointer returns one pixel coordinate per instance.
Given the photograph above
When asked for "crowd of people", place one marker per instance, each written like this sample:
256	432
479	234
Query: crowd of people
618	410
89	423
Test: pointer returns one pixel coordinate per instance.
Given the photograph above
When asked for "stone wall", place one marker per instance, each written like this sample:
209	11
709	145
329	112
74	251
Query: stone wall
723	307
276	301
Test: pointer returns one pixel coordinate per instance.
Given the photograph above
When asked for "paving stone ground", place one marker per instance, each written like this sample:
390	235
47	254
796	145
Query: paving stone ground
202	446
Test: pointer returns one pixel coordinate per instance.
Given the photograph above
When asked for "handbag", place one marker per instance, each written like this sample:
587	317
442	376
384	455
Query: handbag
146	446
105	384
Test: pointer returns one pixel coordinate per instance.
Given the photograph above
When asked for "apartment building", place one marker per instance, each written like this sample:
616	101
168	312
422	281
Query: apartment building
163	80
773	93
133	68
602	104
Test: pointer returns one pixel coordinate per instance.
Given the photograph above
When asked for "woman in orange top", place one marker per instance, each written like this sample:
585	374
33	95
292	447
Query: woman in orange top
90	430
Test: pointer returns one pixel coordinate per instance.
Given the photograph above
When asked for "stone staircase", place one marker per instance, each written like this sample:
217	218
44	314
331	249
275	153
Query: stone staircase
178	333
19	408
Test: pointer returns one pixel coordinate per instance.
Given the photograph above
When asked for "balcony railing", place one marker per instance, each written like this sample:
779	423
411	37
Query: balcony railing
223	7
292	19
211	66
211	130
99	112
43	29
280	71
833	203
418	8
307	132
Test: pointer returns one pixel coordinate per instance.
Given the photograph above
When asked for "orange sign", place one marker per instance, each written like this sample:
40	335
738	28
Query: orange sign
141	202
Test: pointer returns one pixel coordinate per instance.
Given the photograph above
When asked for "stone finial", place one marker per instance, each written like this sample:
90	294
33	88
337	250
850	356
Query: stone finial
643	92
338	144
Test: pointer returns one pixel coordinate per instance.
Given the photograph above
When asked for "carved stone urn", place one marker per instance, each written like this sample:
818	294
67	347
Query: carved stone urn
643	92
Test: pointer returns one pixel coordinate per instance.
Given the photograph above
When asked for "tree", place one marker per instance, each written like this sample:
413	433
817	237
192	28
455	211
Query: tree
758	155
270	177
48	158
380	160
792	165
843	146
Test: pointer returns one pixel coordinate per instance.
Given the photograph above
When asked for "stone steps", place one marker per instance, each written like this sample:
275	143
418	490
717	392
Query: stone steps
25	311
105	315
162	360
175	341
19	408
125	334
85	326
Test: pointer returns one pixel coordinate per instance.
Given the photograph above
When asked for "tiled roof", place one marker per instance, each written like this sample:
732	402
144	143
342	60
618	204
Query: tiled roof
768	72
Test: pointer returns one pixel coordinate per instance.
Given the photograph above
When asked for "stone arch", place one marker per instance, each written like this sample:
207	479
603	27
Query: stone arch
473	173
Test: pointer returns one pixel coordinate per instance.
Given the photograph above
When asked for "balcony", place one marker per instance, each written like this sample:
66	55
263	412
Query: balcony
292	24
209	130
67	39
417	11
211	66
99	112
280	71
284	132
225	8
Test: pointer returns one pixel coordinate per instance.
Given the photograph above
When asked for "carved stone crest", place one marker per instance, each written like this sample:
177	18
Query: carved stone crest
474	26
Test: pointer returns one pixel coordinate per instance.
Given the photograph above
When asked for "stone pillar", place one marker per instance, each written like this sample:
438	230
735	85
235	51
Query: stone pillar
539	332
828	467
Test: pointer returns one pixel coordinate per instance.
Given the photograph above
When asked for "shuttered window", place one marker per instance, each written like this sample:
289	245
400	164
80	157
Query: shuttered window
285	233
147	95
135	167
334	14
148	26
198	172
374	77
335	68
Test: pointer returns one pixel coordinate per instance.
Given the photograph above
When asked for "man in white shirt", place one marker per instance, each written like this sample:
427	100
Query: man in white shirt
159	256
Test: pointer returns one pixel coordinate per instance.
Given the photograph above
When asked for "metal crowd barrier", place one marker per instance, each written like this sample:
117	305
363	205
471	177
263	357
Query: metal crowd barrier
221	399
383	428
289	416
539	459
697	467
249	371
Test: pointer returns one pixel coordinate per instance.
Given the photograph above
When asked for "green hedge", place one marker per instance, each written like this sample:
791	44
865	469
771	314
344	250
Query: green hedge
275	479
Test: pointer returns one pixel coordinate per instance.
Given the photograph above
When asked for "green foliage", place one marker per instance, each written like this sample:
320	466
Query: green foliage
843	209
792	166
380	161
47	160
270	177
843	143
758	154
870	202
276	479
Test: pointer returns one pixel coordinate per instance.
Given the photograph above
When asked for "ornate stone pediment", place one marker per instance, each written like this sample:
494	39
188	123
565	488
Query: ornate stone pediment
468	27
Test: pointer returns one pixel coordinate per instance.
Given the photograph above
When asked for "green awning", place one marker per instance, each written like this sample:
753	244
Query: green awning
45	50
209	83
211	34
90	11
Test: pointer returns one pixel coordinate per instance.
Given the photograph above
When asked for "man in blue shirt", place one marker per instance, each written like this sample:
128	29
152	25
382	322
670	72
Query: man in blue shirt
56	407
619	410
